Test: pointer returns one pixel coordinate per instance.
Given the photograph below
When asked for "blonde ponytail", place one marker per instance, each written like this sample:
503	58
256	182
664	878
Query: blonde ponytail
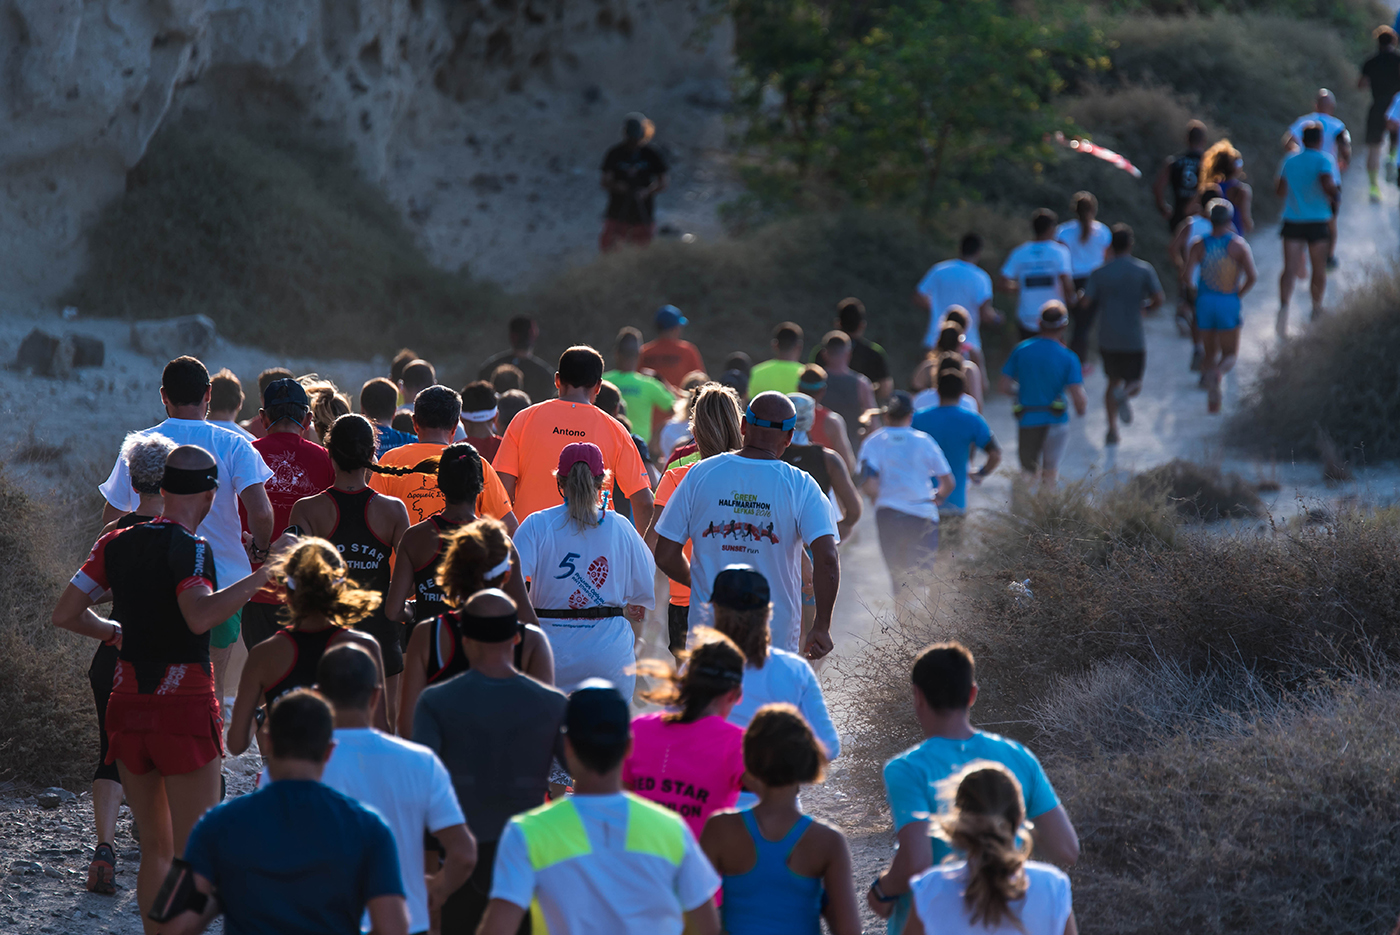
316	580
988	815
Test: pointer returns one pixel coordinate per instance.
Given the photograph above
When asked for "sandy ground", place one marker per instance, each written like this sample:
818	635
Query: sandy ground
46	853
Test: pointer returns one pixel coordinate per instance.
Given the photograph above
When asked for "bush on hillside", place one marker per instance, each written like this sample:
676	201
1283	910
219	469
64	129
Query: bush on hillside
1347	15
1341	378
273	237
49	733
1200	492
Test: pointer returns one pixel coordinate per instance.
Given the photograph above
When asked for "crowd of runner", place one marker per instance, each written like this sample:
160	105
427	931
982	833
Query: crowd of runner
442	597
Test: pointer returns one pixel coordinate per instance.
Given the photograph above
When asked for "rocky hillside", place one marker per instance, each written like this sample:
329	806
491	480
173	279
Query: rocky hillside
483	122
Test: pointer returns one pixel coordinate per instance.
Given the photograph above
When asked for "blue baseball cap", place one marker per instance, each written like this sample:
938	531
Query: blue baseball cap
668	316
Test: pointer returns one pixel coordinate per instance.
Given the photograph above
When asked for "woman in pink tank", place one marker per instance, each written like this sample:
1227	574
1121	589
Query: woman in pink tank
690	758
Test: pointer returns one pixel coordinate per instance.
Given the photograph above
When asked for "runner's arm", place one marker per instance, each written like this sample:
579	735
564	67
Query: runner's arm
74	613
1159	189
1245	194
1067	285
415	675
841	442
846	495
190	922
1055	839
649	537
991	464
670	558
1343	150
1005	385
946	486
923	301
826	581
913	855
641	502
515	587
1079	398
1281	187
988	314
1154	301
396	606
456	866
842	912
260	518
502	917
245	704
388	915
508	482
539	655
703	919
1245	258
1329	186
1194	254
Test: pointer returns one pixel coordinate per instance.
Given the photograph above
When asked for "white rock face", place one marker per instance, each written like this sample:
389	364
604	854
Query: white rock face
484	121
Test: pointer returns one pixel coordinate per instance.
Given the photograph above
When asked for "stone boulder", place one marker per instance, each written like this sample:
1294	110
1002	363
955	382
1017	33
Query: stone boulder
167	338
50	356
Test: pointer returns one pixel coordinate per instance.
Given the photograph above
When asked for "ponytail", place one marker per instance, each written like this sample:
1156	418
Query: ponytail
317	582
749	631
582	494
352	443
470	555
713	669
988	814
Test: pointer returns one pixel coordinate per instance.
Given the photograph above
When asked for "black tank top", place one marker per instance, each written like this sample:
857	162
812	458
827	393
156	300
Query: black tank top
428	601
812	459
1185	178
366	555
440	669
307	650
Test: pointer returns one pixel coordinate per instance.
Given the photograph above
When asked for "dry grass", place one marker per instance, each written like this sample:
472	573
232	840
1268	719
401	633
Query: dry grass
48	733
1200	492
1342	378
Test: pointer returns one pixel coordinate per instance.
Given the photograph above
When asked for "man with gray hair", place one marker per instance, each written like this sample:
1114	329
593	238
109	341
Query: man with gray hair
1336	142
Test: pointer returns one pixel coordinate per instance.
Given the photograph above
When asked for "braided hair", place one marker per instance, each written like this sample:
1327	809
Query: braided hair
460	476
352	443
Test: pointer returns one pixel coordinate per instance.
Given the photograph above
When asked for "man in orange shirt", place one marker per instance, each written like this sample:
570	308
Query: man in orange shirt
435	414
668	356
530	449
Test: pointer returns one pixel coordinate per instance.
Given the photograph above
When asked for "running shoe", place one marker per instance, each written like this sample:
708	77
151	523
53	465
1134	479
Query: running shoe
1111	438
1375	194
1331	263
102	871
1125	407
1197	354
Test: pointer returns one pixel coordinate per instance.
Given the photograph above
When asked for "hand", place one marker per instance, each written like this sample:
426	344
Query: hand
116	638
285	543
977	477
883	910
437	894
635	613
818	643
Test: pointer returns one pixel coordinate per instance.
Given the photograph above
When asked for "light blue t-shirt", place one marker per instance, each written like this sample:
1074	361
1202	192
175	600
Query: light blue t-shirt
1042	367
913	777
956	430
1305	201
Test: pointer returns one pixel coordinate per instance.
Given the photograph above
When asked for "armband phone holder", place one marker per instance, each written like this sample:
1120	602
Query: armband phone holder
177	894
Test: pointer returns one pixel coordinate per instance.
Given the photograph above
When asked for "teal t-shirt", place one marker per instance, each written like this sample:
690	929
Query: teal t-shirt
1042	368
643	395
912	779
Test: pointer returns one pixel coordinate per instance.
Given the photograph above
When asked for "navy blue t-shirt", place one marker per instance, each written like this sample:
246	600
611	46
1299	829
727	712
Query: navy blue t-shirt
295	856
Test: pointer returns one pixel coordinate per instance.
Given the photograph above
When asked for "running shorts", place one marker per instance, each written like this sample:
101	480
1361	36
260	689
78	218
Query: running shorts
388	635
1123	365
100	676
1311	231
1375	123
1042	446
172	733
677	626
1217	311
909	543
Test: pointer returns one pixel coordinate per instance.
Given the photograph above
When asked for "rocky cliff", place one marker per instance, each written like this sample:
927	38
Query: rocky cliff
483	121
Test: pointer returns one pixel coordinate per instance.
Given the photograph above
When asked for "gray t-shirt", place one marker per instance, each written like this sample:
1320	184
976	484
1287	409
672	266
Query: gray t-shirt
498	738
1119	288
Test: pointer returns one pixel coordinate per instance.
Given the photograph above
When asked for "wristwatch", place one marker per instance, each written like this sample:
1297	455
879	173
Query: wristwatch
879	893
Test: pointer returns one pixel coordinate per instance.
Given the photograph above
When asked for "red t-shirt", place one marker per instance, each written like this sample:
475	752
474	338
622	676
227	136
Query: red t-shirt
671	359
300	468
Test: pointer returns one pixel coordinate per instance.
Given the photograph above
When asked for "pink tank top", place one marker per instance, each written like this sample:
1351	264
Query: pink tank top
694	769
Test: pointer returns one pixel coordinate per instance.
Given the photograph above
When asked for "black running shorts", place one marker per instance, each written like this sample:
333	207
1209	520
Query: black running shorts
1375	123
1311	231
1123	365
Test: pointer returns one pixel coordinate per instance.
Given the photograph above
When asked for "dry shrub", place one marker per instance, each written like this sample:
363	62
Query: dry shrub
1287	820
49	732
1200	492
1341	378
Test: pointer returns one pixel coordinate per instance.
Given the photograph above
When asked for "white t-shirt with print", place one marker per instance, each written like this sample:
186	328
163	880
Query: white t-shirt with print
1085	256
1199	230
1036	266
410	789
753	512
1332	127
240	467
955	282
607	565
926	398
1044	910
611	890
906	461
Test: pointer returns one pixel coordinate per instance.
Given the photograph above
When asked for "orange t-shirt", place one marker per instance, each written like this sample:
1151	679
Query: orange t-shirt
680	594
420	493
530	451
671	359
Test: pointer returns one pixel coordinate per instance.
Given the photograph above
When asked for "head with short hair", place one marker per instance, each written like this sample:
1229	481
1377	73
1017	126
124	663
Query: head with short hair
490	617
580	367
716	420
352	442
950	337
1054	317
945	675
1312	135
780	748
627	348
738	360
736	380
1043	222
1326	102
850	315
970	247
787	336
1195	134
417	376
225	392
1221	213
637	129
951	385
609	399
347	677
1085	205
145	454
477	396
189	468
522	332
510	404
327	404
988	815
837	345
266	378
475	557
1122	238
1384	36
317	583
184	381
301	726
507	377
597	727
402	359
812	381
774	408
712	669
379	398
437	407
